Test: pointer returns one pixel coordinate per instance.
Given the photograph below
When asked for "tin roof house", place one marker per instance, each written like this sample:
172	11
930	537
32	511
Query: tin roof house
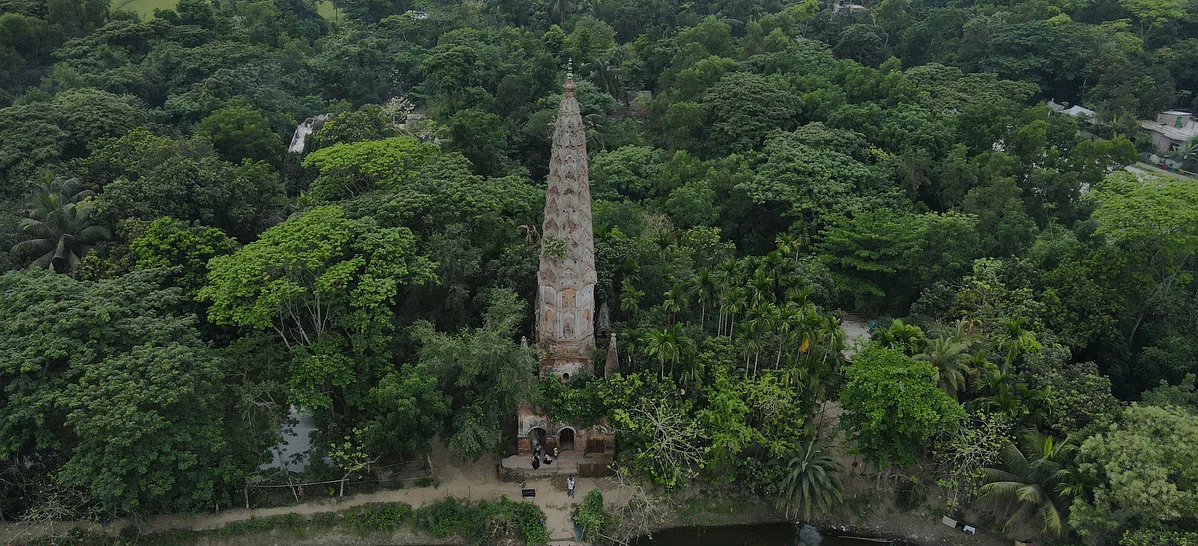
1171	129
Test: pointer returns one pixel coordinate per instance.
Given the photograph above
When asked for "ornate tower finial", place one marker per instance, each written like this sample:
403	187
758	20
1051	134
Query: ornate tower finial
570	68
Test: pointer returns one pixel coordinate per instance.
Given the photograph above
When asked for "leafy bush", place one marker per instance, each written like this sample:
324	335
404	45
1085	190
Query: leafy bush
483	523
577	401
765	478
591	515
290	522
440	519
325	520
377	517
1145	537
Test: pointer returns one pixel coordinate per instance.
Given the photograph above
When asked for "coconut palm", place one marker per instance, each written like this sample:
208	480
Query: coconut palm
603	70
812	485
58	225
949	355
1033	483
593	124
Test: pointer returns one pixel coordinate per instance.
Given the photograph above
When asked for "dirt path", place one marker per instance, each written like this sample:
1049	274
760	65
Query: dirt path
856	332
471	481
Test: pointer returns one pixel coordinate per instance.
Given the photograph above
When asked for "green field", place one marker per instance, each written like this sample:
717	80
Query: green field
326	10
145	8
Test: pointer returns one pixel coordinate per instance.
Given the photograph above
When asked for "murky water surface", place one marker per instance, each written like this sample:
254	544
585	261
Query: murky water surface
769	534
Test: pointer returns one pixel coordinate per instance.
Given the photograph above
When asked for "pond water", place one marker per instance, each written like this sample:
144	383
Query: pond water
767	534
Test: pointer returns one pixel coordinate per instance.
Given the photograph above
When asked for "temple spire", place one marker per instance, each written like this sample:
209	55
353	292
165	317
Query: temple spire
566	278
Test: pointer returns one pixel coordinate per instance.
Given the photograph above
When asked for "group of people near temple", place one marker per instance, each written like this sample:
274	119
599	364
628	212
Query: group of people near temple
540	456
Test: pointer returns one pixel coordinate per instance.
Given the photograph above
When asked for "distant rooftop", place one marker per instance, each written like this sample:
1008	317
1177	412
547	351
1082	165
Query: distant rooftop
1076	111
1177	134
1081	111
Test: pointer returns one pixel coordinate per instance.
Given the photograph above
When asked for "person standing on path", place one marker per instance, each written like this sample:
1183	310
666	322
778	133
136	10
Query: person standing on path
570	486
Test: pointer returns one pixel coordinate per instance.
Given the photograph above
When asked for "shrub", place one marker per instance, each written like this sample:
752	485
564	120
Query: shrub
377	517
441	518
483	523
325	520
290	522
591	516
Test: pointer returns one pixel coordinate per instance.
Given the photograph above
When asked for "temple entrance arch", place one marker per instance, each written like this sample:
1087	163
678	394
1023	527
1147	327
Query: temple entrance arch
565	439
537	437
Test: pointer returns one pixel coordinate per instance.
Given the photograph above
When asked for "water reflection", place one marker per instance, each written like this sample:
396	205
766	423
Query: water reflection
768	534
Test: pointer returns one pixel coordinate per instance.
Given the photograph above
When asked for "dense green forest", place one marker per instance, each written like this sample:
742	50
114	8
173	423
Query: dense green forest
176	279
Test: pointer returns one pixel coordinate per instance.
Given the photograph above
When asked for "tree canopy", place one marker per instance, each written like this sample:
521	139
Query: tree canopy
764	177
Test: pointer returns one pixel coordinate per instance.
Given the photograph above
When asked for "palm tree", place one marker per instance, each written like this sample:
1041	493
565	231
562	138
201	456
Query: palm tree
1013	338
735	302
790	245
593	123
900	335
705	289
630	297
631	345
786	329
811	485
774	265
830	338
560	9
673	302
726	280
663	345
1033	482
603	70
949	355
750	331
761	289
57	224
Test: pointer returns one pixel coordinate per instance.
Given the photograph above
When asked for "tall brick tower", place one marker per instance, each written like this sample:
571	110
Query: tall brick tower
566	279
565	307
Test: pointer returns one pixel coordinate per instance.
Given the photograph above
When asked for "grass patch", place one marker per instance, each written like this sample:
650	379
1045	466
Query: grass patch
721	507
143	8
325	9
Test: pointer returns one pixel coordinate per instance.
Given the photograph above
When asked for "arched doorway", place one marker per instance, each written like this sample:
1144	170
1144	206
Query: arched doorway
536	437
565	439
